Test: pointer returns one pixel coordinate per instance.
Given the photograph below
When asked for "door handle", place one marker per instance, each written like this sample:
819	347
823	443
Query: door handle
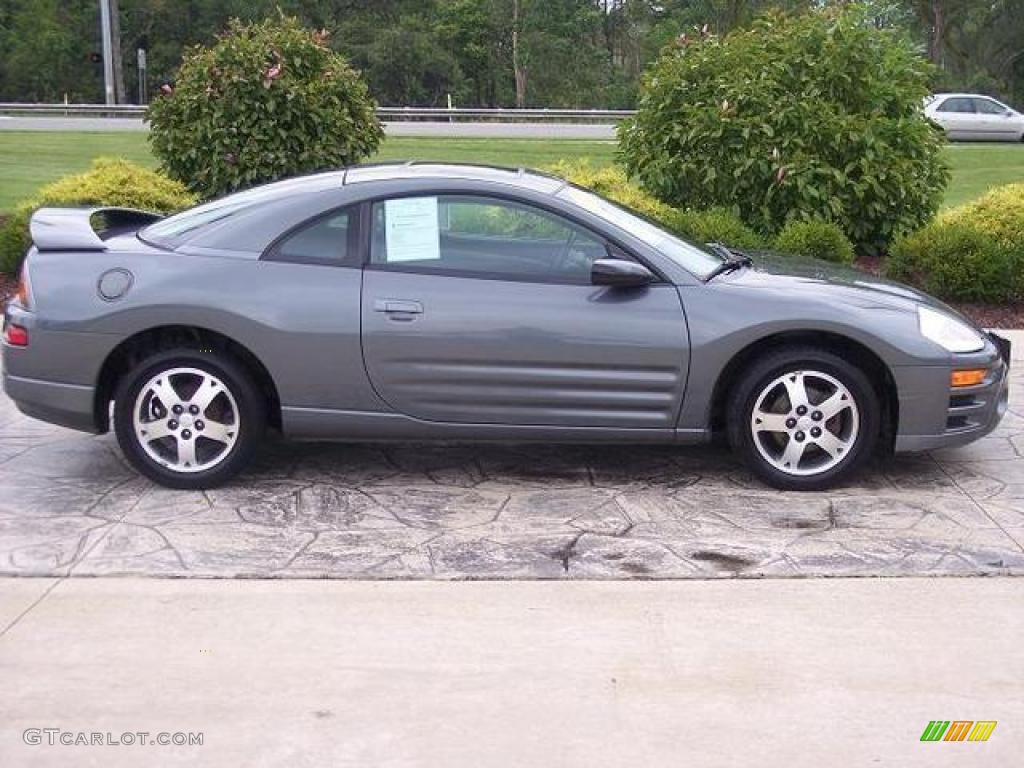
398	307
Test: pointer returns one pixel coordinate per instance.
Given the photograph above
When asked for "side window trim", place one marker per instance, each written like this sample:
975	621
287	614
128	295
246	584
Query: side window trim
613	247
354	240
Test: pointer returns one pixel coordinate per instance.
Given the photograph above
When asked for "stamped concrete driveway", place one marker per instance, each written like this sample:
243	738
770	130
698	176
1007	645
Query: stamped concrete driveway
70	506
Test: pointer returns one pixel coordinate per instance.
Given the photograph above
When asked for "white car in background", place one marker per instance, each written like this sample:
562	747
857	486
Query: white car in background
973	117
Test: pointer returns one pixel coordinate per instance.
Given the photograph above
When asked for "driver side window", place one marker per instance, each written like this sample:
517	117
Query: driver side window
481	236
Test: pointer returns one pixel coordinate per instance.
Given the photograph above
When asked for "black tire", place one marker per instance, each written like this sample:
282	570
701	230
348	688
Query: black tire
251	416
760	374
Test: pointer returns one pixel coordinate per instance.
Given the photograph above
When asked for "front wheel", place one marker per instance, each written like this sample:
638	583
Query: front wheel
803	418
187	419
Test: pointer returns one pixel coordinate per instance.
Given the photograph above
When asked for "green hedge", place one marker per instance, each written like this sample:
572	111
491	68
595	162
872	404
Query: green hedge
974	252
110	181
816	238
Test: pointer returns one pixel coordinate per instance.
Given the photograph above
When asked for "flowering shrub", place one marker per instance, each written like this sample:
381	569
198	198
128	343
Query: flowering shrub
810	116
265	101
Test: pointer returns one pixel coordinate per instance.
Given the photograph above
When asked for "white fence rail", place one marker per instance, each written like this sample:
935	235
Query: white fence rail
384	113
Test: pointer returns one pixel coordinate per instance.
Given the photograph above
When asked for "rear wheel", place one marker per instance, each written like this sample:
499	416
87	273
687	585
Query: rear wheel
803	418
188	419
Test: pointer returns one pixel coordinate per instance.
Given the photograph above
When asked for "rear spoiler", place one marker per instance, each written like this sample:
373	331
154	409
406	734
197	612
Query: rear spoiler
70	229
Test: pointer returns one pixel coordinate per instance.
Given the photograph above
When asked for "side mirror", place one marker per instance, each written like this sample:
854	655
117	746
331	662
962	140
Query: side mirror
621	273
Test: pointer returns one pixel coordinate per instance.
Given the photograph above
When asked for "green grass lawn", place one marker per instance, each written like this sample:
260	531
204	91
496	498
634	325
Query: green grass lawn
979	167
30	159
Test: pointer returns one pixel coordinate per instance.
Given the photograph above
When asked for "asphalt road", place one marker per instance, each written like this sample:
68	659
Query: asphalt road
426	128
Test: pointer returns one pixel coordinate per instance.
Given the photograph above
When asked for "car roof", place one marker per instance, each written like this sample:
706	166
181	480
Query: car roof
523	178
248	220
965	96
426	170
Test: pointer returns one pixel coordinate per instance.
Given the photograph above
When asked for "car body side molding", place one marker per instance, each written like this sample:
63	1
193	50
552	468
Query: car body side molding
343	425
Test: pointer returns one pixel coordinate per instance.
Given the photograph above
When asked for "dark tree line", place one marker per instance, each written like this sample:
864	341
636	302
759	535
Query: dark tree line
553	53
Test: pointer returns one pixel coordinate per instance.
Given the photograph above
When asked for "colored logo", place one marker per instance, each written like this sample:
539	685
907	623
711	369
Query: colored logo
958	730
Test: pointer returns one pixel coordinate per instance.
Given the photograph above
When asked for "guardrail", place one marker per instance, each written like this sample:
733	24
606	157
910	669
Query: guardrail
71	110
505	115
384	113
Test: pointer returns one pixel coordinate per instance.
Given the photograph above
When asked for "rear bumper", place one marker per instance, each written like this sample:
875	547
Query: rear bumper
958	416
53	378
68	405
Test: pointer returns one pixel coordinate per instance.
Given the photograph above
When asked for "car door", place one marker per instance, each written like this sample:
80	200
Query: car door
956	116
480	309
994	121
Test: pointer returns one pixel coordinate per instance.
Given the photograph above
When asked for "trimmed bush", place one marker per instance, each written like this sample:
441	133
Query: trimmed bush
718	225
110	181
815	238
817	115
974	252
956	261
265	101
998	213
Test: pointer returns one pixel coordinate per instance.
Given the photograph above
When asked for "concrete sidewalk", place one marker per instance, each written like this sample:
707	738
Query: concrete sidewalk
321	673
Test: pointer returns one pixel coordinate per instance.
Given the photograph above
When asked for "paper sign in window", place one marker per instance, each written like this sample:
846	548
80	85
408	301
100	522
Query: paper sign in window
411	229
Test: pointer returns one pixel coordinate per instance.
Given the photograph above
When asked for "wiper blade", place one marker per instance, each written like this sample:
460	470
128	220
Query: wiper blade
726	266
732	259
731	254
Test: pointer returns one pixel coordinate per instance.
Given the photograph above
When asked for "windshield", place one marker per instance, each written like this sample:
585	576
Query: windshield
699	261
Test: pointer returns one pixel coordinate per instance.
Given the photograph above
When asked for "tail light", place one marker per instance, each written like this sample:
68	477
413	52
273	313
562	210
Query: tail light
15	335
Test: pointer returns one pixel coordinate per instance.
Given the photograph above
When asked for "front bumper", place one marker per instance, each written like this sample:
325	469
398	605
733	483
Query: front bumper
970	413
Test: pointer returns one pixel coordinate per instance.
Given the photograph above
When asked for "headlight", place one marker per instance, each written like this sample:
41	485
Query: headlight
948	332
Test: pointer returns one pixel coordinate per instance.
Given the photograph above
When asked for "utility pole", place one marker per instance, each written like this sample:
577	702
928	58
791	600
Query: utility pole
108	54
141	69
115	46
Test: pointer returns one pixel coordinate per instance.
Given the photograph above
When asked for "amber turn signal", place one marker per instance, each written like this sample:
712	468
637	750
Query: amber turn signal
968	378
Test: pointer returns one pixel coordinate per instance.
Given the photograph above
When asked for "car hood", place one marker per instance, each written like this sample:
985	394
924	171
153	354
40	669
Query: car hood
829	282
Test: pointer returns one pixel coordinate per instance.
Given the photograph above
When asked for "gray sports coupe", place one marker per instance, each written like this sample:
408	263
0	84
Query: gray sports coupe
424	301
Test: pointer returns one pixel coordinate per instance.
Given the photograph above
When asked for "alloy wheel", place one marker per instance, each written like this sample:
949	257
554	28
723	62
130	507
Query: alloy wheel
805	422
186	420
